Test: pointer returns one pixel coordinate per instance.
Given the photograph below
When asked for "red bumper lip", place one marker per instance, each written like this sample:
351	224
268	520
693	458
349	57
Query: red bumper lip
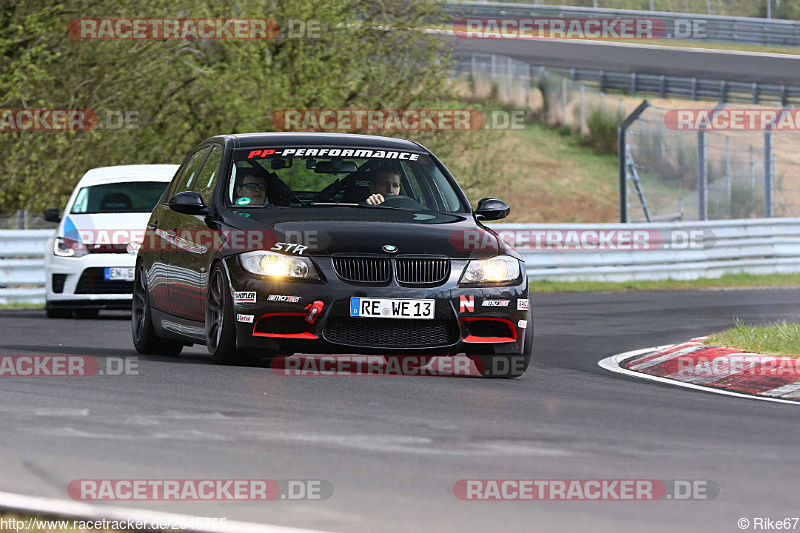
302	335
476	339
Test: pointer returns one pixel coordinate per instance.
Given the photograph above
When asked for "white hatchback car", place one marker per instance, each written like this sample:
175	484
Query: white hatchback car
89	261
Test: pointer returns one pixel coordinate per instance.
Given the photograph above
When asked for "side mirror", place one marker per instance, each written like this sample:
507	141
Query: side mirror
52	215
188	203
492	209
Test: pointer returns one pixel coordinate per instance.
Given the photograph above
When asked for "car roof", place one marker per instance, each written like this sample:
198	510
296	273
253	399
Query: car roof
248	140
124	173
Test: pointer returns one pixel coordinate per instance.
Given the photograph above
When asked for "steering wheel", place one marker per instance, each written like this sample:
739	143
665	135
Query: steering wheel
400	200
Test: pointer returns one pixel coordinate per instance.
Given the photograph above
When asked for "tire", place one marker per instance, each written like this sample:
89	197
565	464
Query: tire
144	338
220	327
508	366
86	314
59	313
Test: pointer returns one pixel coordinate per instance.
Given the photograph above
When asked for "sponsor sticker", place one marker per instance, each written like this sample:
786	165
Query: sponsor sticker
245	318
283	298
467	303
289	247
244	200
495	303
522	304
243	297
522	324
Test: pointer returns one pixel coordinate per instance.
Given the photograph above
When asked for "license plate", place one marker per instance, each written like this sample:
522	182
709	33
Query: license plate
124	274
391	308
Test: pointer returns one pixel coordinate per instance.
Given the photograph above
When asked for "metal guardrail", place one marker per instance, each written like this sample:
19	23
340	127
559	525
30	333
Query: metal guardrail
757	246
663	86
715	28
22	266
693	250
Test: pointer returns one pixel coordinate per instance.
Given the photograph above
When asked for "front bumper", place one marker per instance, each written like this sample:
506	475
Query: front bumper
483	320
77	281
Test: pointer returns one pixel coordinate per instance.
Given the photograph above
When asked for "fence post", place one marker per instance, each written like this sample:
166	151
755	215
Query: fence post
633	84
509	78
768	174
564	99
622	163
662	86
528	86
702	179
474	70
752	169
494	68
583	109
21	222
755	93
728	177
723	91
694	89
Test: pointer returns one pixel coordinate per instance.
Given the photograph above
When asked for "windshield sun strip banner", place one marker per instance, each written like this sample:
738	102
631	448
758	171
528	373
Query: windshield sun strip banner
359	153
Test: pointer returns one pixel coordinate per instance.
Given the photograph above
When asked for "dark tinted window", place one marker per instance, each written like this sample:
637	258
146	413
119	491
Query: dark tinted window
207	179
123	197
190	170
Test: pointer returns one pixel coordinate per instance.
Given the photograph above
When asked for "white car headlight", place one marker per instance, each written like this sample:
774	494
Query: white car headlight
66	247
495	270
278	265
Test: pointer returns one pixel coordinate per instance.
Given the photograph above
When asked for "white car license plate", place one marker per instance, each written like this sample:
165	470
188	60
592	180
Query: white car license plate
124	274
391	308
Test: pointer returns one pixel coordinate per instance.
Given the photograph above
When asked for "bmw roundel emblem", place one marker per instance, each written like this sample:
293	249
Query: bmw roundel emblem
389	248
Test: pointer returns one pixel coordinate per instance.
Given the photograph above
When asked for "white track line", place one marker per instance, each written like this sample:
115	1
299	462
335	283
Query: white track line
85	511
613	364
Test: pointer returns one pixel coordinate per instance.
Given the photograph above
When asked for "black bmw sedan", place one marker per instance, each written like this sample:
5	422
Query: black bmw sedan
272	244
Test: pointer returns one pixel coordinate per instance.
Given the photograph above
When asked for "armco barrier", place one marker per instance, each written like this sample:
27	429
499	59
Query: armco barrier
22	265
698	250
714	28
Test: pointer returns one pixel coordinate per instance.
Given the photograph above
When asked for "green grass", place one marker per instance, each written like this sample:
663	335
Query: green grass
21	306
727	280
776	339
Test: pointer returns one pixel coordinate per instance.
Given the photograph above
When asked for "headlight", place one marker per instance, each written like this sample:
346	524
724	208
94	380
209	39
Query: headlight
66	247
278	265
495	270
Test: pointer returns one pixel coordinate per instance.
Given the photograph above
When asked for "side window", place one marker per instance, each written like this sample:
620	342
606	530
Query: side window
207	179
190	171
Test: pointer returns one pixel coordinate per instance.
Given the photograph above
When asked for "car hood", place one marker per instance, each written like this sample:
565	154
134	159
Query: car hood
105	228
336	230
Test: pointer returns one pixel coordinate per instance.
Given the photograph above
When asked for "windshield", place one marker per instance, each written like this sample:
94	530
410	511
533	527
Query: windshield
120	197
315	177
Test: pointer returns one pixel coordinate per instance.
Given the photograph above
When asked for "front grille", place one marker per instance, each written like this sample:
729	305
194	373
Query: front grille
422	270
93	282
107	248
58	282
387	333
362	269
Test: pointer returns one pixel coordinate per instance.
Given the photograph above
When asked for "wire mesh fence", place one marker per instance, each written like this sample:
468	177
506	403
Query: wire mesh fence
709	174
24	219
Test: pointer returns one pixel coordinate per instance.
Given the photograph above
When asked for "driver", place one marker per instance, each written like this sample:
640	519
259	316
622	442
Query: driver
250	184
385	183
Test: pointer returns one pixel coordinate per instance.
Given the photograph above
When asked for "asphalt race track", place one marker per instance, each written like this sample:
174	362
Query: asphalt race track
643	59
394	447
